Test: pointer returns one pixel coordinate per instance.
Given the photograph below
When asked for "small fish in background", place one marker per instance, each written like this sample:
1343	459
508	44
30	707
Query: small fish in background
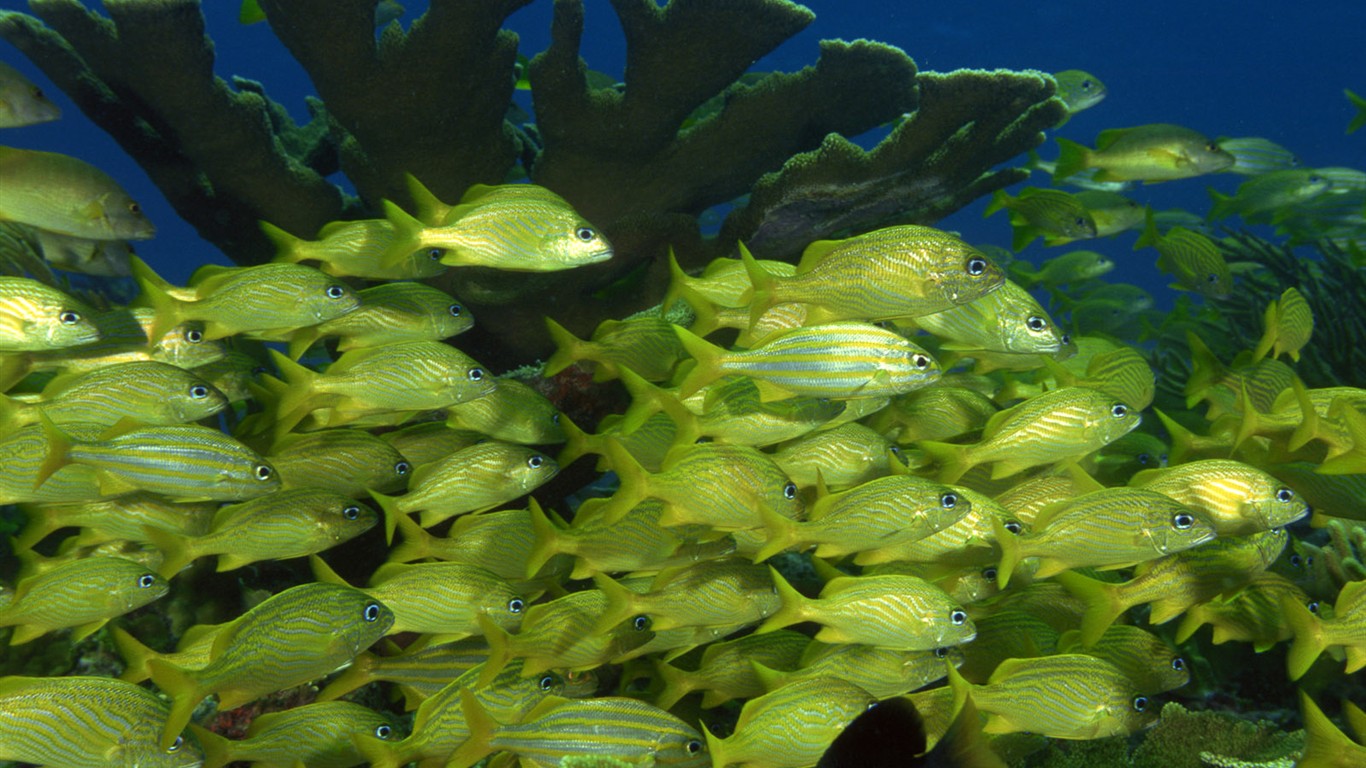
1079	90
21	102
1288	326
1112	212
1192	258
1253	155
1269	197
1360	118
1148	153
62	194
36	317
1048	213
1073	266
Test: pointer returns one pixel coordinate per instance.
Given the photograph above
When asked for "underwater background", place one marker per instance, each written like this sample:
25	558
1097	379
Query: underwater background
1265	70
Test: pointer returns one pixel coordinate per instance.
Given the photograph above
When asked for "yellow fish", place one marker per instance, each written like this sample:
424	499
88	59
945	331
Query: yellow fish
1288	326
62	194
82	594
35	317
389	313
1156	152
21	102
792	726
355	249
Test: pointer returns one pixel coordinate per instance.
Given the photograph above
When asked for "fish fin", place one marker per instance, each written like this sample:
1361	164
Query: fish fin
715	747
58	451
954	460
1308	642
620	603
792	610
568	348
135	655
377	752
1356	719
1022	233
500	650
546	542
481	727
1325	745
217	749
185	692
678	284
677	683
1310	424
1103	604
356	674
780	533
25	633
647	399
576	443
286	245
1000	200
298	381
1356	658
389	506
762	295
1353	461
1010	552
1149	237
323	572
414	543
708	358
634	487
156	295
430	209
1206	370
176	551
300	341
1073	158
407	235
1360	118
1222	205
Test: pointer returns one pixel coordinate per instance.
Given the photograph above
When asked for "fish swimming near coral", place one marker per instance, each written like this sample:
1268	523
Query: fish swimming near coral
63	194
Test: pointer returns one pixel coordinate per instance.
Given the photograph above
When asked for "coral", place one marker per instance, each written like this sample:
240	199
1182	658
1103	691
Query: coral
687	129
1182	736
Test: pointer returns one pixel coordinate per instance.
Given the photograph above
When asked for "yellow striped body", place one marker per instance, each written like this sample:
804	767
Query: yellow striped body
318	734
63	194
355	249
707	594
445	598
420	673
792	726
185	461
347	461
622	728
82	593
407	376
390	313
882	672
938	412
86	722
969	541
476	478
36	317
425	442
1007	319
727	669
1251	616
636	542
123	518
148	392
560	635
1143	657
1240	499
513	412
844	456
890	611
1068	696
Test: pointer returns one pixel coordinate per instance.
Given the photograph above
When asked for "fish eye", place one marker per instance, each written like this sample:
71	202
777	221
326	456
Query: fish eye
335	291
1296	561
989	573
1213	147
475	374
546	682
402	468
146	580
1036	323
921	362
1079	221
384	731
641	623
1140	703
940	653
1313	606
958	617
134	208
199	391
371	612
1285	494
585	233
1211	278
516	604
456	310
1066	339
1086	85
790	491
351	512
693	747
1013	526
555	417
1119	410
1162	459
535	462
194	336
1143	458
258	370
67	317
976	265
435	254
1182	521
1179	664
948	500
177	744
263	472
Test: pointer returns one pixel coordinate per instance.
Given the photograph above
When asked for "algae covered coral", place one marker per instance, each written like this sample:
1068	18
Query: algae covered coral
901	467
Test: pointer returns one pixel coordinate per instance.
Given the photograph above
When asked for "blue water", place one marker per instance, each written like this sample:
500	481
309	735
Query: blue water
1223	68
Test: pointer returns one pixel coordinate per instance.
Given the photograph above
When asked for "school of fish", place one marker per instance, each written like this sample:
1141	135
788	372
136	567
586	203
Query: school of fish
884	473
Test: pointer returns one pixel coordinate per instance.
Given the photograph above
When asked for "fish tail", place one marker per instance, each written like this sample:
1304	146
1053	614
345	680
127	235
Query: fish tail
715	747
166	309
286	245
377	752
547	541
176	551
646	400
568	348
576	444
677	684
58	451
634	480
217	749
1310	425
389	505
356	674
1000	200
793	609
429	207
780	533
1103	605
1149	236
407	234
323	572
135	655
500	650
1073	158
415	543
708	357
1010	552
481	727
954	460
1206	369
1308	642
1222	206
1360	118
706	318
1325	745
1352	462
687	428
1190	623
678	284
1059	372
1183	440
300	340
762	294
620	603
1269	334
41	521
1023	273
1022	233
298	382
185	692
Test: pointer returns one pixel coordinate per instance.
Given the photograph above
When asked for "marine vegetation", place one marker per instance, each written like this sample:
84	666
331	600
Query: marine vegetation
829	456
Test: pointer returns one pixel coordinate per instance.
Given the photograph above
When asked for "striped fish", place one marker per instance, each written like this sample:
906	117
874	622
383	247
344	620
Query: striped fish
644	343
1344	628
1253	615
389	313
1109	528
625	729
244	300
428	441
835	360
791	726
87	722
723	283
969	541
901	271
419	673
122	518
318	734
519	230
290	638
1006	320
354	249
892	611
1192	258
185	461
882	672
22	453
36	317
1120	372
347	461
1240	499
477	478
727	669
707	594
1143	657
940	412
149	392
513	412
842	457
80	594
500	542
191	652
1253	155
1054	426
